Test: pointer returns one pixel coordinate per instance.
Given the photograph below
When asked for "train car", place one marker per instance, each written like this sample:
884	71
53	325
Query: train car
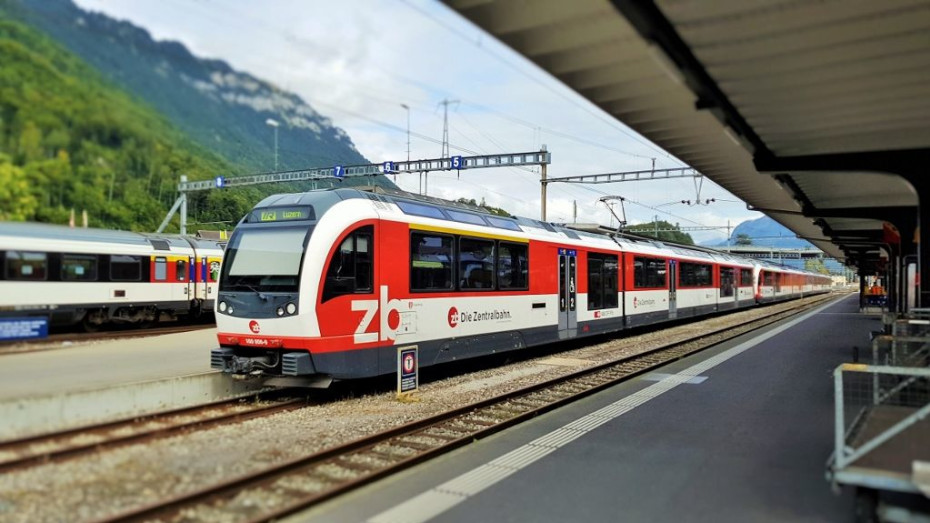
328	284
95	277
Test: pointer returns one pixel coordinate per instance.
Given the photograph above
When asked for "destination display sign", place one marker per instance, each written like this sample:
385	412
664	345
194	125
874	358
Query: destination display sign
282	214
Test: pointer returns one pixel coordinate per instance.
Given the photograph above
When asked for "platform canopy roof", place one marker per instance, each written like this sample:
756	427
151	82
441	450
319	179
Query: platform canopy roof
815	112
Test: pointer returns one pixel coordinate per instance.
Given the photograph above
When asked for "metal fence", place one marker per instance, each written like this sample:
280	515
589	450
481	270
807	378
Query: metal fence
882	421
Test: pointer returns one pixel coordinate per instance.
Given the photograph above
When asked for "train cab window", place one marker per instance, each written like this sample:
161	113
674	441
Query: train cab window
29	266
727	281
476	264
125	268
180	270
745	277
78	267
350	269
513	266
161	269
603	272
648	273
694	275
431	265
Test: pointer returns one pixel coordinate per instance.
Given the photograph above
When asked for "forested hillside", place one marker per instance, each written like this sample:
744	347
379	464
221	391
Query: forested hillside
69	140
105	137
218	107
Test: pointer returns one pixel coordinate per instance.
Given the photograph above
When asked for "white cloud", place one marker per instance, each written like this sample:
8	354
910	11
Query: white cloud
366	57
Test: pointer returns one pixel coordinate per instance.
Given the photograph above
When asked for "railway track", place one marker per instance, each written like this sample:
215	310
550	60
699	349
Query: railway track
59	446
296	485
20	346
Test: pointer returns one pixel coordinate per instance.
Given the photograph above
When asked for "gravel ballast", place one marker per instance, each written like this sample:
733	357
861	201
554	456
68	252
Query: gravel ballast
123	478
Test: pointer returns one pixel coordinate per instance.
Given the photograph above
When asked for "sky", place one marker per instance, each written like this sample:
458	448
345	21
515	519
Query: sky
370	57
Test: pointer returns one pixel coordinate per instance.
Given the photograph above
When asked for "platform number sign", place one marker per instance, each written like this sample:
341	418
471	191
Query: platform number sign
456	162
408	364
219	181
389	167
339	171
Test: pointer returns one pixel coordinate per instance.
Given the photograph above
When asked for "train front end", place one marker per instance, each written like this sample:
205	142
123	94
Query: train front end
265	305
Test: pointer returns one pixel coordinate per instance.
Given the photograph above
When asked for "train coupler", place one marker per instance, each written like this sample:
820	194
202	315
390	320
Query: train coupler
226	360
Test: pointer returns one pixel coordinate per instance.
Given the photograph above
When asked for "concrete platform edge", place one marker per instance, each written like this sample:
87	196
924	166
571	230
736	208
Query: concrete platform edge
29	416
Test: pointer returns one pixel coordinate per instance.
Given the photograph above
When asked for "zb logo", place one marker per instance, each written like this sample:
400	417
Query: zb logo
390	318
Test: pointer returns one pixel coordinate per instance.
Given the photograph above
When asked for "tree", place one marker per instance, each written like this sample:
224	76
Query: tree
493	210
16	201
743	239
816	265
666	232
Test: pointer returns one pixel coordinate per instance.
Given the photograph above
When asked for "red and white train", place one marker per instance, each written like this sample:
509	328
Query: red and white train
66	276
329	284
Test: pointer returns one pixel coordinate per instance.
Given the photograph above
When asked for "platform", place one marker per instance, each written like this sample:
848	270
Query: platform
740	432
73	386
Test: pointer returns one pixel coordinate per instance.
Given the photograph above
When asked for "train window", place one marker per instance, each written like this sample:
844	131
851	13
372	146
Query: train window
125	268
350	269
648	273
26	265
418	209
466	217
504	223
513	266
727	281
768	279
161	269
602	281
431	262
745	277
78	267
694	275
181	270
476	264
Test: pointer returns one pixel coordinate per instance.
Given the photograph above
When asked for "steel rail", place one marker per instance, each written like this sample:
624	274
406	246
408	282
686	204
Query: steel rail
320	476
72	443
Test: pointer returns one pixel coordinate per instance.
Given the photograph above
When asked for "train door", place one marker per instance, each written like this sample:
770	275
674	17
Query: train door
184	287
672	289
568	321
211	279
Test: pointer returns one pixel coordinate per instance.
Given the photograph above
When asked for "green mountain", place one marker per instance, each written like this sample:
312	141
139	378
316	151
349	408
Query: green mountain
70	140
217	106
96	115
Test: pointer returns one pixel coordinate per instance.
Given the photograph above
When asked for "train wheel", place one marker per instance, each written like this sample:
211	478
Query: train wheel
88	325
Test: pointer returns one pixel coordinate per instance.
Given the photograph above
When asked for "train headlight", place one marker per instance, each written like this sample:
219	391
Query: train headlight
223	306
291	308
230	309
280	311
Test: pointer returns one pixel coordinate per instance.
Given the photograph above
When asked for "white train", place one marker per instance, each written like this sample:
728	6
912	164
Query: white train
95	276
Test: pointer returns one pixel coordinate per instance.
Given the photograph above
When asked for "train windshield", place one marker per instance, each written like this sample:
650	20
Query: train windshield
264	259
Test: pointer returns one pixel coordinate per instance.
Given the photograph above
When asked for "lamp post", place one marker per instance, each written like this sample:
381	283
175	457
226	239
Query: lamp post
274	123
405	106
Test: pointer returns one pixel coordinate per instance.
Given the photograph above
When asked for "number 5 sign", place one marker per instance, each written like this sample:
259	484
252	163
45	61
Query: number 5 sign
455	162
